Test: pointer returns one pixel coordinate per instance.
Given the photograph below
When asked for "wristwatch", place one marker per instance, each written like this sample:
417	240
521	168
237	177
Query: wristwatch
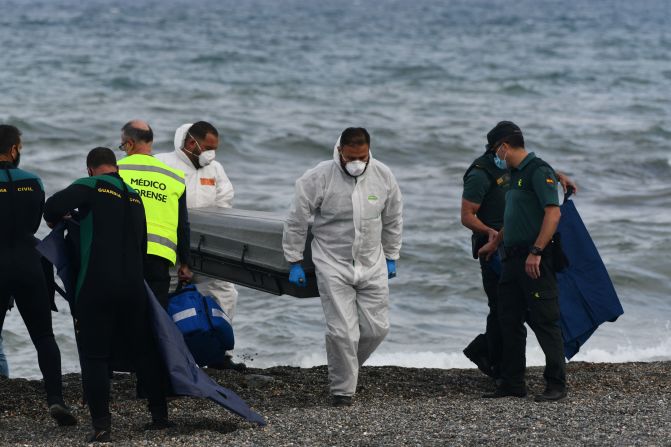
536	251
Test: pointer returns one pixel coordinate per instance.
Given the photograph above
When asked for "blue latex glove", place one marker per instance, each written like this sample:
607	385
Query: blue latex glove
297	276
391	268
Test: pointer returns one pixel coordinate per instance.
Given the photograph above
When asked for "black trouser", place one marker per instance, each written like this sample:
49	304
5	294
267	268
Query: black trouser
489	344
113	318
22	277
518	294
157	275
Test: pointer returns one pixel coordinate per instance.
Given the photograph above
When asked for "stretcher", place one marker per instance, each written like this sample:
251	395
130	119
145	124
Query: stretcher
245	247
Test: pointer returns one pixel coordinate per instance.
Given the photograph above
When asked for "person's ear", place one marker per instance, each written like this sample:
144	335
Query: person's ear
90	172
189	143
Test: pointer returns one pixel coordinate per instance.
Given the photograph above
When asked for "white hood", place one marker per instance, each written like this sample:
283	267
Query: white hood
180	135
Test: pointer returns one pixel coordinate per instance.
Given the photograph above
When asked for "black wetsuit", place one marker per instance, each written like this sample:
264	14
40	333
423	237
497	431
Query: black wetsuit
110	298
21	274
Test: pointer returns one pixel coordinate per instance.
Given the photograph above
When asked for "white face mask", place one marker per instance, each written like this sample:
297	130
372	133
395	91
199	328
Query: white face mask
206	157
355	168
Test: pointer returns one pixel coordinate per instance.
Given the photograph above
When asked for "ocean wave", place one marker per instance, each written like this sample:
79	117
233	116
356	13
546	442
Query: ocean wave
654	352
411	72
534	355
646	109
518	89
624	80
125	83
293	143
228	57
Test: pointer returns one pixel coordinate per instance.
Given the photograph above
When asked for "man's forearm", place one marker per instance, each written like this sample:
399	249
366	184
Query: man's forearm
474	224
549	226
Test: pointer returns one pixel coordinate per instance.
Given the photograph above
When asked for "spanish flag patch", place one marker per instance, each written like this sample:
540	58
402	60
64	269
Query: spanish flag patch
549	181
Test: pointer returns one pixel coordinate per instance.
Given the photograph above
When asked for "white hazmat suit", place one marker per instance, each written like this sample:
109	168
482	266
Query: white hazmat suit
357	224
206	186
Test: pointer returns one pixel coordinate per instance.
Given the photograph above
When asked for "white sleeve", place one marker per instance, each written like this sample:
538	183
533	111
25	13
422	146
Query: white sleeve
308	195
225	191
392	221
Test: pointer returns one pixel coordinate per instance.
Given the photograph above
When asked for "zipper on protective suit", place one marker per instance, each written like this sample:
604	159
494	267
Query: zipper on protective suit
356	215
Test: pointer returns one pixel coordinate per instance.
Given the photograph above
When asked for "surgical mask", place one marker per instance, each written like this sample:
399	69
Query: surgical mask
500	163
206	157
355	168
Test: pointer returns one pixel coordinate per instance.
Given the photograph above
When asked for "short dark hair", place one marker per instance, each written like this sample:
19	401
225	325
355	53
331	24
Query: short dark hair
201	129
9	136
354	136
505	132
516	141
132	132
100	156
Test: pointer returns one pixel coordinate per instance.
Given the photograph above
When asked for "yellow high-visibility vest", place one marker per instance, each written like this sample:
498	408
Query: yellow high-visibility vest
160	187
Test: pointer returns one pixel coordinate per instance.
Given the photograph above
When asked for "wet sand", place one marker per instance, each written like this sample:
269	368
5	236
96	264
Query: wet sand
608	404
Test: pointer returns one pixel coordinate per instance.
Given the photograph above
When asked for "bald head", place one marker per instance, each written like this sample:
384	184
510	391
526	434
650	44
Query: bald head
138	124
137	137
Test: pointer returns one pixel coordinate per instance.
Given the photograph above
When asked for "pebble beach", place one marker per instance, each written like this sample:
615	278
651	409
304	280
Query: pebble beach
608	404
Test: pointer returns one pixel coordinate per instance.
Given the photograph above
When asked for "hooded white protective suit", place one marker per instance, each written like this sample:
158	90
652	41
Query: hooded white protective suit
205	187
357	224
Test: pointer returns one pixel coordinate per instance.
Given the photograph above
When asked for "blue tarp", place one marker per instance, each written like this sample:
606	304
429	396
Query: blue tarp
587	297
186	378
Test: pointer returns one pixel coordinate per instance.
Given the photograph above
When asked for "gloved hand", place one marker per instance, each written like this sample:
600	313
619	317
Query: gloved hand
297	276
391	268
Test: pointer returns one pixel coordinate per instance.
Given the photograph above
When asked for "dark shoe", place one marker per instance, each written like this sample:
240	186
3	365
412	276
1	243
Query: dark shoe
551	395
62	414
159	424
505	392
341	401
481	361
228	363
98	436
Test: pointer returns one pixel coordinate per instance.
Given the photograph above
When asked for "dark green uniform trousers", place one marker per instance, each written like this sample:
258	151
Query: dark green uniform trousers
537	300
488	345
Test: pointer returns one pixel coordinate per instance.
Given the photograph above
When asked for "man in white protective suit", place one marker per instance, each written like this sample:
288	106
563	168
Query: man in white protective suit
207	185
357	208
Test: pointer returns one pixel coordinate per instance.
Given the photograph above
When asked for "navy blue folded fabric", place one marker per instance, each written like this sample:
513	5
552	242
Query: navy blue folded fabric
587	297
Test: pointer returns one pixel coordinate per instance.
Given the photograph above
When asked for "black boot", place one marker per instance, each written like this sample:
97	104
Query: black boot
551	395
341	401
159	418
98	436
228	363
62	414
101	430
500	392
476	352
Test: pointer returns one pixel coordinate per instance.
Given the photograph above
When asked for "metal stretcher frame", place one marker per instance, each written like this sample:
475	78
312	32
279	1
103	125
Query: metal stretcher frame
245	248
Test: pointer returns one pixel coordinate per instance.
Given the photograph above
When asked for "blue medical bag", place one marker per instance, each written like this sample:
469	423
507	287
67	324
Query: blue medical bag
205	326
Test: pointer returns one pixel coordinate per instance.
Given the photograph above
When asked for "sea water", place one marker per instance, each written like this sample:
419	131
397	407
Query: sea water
589	82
